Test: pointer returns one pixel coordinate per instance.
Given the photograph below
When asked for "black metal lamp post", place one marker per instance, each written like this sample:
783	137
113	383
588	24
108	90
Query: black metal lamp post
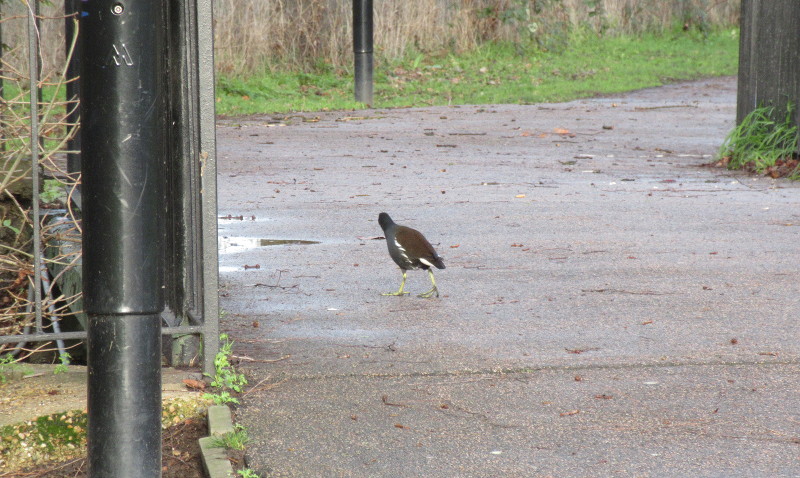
362	50
122	124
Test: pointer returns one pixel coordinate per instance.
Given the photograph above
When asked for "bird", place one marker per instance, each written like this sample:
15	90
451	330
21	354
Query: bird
410	250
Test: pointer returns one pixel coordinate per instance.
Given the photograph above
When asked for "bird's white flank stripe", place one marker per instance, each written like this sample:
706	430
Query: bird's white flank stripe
402	250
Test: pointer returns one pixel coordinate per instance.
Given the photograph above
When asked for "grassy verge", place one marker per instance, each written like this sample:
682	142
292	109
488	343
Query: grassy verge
496	73
764	143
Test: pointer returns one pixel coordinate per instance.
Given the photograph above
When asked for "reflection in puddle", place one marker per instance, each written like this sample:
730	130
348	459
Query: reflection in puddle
232	245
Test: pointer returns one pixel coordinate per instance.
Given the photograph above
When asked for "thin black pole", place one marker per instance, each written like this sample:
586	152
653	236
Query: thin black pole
122	123
34	72
362	50
2	93
71	13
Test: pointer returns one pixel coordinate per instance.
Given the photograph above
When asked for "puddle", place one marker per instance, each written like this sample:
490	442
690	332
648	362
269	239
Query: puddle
232	245
241	218
281	242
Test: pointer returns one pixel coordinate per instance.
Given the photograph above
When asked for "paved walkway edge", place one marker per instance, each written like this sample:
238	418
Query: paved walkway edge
215	460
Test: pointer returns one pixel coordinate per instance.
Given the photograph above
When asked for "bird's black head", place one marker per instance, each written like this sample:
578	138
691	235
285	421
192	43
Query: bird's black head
384	220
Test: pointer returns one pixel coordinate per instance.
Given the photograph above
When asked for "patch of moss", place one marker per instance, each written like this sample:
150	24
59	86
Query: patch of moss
62	436
59	436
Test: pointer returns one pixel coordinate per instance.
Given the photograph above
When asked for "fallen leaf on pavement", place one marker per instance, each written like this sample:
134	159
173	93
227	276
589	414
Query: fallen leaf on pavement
194	384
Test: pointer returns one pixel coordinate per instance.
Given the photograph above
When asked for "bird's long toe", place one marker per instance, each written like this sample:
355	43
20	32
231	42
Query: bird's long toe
429	294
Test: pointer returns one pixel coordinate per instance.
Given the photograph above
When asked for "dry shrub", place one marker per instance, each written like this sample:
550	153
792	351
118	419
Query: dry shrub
637	16
14	15
253	36
17	305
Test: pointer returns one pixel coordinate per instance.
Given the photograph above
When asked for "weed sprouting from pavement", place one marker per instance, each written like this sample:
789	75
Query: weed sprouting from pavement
226	379
761	141
235	440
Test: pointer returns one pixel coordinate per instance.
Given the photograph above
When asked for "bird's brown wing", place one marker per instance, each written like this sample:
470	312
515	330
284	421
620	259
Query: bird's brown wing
417	246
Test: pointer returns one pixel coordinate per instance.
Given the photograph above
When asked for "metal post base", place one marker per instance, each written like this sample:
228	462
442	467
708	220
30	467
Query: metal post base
124	396
363	77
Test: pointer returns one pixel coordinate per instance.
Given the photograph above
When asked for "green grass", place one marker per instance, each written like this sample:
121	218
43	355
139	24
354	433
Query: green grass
496	73
235	440
761	140
247	473
10	369
14	135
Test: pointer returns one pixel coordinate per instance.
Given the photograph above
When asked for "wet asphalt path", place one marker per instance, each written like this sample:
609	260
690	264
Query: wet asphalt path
610	307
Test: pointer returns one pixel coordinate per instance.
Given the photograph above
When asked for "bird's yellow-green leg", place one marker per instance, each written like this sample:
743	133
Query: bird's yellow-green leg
434	290
400	291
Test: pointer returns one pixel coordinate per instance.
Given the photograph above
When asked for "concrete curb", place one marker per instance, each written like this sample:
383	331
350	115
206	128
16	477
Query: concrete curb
215	460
